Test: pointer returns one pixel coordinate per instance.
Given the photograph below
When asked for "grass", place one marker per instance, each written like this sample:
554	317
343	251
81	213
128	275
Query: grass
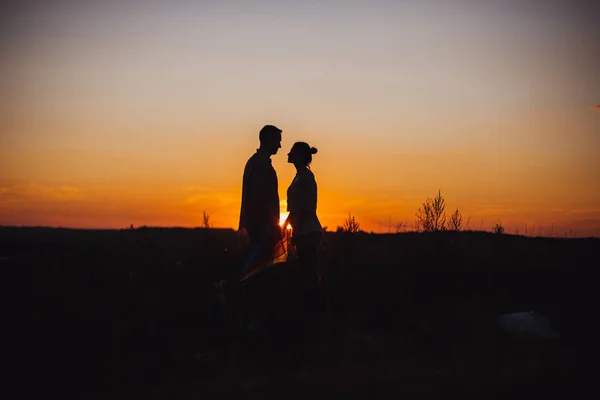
121	314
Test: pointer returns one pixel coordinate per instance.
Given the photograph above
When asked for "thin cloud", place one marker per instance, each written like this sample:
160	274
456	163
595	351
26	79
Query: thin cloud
201	189
43	192
222	198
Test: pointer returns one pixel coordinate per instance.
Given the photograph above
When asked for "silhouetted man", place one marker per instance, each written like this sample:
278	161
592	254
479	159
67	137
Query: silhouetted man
259	215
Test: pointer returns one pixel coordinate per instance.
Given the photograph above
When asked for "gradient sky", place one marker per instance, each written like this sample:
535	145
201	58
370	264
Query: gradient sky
145	112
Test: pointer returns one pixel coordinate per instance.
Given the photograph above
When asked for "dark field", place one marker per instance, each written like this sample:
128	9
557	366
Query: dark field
134	313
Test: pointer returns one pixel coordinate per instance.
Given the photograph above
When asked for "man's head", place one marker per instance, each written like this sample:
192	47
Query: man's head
270	139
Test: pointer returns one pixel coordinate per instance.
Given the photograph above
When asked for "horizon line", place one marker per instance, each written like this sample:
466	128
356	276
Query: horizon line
328	231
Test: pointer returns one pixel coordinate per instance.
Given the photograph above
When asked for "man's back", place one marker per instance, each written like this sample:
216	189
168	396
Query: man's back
260	195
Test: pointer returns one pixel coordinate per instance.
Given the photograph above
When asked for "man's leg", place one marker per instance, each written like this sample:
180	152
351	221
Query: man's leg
259	254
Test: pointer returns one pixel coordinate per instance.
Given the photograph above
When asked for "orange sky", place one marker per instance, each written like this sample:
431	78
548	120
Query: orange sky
144	113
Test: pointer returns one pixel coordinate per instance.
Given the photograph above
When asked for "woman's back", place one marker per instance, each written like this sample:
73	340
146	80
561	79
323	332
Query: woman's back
302	203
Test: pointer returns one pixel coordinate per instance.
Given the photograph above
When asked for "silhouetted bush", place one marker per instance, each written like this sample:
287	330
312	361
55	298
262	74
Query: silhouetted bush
350	224
455	223
206	223
498	228
431	216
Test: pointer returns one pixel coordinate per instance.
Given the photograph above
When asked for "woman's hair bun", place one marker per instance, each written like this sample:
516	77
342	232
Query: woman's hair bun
313	150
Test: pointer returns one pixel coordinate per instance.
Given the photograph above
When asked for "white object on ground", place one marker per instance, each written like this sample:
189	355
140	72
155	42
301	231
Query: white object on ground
527	324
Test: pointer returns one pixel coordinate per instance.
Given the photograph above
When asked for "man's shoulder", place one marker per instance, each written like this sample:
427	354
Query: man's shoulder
258	160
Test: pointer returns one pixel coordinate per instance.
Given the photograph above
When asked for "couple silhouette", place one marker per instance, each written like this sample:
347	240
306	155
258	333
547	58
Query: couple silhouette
260	216
270	302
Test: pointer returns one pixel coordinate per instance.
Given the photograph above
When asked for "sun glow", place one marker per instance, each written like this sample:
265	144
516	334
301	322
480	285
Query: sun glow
282	218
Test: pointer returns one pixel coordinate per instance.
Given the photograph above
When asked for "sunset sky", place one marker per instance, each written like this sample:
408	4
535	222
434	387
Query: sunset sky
144	112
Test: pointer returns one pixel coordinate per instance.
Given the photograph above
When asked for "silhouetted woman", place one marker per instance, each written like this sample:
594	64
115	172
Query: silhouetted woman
302	207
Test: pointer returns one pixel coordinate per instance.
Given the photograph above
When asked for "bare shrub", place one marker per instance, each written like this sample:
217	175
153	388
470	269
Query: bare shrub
455	222
431	216
401	227
206	222
350	225
498	228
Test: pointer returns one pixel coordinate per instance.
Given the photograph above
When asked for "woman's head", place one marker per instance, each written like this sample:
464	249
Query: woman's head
301	153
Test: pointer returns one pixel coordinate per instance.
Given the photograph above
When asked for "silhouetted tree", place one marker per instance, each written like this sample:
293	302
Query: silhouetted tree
431	216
